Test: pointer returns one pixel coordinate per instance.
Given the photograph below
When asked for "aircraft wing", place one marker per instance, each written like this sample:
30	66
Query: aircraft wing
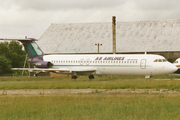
57	70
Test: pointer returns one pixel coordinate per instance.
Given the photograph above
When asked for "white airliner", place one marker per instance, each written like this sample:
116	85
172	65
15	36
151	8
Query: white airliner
96	64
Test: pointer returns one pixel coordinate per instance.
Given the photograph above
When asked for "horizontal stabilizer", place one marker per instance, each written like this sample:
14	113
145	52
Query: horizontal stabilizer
26	39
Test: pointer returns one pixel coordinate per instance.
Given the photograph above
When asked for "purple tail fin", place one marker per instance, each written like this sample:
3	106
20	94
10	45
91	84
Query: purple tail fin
32	49
34	52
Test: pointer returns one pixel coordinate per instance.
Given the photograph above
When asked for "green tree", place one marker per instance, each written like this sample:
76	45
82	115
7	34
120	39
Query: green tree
4	50
5	65
13	54
16	54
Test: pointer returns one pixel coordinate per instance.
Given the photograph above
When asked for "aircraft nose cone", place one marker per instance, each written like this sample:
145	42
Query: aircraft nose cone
173	68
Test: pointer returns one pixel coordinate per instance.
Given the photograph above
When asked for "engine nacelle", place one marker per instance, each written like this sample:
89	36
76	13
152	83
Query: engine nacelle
43	64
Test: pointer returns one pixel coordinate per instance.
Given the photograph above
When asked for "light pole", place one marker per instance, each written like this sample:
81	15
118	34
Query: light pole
98	46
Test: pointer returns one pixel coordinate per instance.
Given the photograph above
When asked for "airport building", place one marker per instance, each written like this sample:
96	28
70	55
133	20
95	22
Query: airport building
153	37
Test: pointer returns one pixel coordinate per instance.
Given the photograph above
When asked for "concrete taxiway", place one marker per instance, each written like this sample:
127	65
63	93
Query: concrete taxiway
64	92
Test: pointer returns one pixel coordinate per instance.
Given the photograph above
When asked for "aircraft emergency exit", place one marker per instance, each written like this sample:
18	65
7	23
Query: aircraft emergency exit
95	64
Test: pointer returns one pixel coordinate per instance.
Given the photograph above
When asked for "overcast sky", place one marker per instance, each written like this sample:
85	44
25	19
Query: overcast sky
19	18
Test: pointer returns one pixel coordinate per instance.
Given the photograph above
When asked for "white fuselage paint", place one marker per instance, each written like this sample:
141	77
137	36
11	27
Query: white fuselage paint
118	64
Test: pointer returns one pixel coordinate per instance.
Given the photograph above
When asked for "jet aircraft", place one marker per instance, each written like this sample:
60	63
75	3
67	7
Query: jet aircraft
147	65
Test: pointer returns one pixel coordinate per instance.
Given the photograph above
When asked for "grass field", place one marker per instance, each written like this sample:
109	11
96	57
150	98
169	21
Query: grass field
171	82
94	106
90	108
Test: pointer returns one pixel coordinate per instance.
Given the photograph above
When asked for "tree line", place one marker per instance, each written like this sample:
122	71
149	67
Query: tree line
12	55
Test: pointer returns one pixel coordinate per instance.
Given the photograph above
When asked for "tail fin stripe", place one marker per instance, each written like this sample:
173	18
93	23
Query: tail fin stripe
29	53
27	49
35	47
31	49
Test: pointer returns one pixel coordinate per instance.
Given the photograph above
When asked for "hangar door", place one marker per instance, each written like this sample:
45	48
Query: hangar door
143	64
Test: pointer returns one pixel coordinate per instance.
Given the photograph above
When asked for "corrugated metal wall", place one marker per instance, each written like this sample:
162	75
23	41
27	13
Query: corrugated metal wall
139	36
76	38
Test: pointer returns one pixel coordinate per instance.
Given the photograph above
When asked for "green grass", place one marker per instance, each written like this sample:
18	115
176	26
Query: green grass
90	108
106	82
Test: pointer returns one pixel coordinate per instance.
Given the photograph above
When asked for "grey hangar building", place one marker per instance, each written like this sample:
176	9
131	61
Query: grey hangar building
138	37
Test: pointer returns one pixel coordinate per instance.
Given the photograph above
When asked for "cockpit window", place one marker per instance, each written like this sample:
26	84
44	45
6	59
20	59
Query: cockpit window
176	61
160	60
164	60
156	60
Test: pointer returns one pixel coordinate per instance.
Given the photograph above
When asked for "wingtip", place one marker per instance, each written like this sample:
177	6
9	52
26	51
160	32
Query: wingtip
33	39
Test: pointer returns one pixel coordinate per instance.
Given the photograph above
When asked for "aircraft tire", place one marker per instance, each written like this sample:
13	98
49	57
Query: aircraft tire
74	77
91	77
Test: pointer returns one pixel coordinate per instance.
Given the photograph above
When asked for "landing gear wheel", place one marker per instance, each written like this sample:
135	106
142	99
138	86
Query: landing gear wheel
91	77
74	77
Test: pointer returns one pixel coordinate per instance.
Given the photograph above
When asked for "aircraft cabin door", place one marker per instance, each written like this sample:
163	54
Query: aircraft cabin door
143	64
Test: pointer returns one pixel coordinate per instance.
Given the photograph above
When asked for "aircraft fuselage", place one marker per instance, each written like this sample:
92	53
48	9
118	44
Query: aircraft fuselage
119	64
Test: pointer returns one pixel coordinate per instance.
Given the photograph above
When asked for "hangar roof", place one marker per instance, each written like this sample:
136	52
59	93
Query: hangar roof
138	36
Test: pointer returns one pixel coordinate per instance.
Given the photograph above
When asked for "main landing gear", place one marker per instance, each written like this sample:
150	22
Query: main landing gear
74	77
91	77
